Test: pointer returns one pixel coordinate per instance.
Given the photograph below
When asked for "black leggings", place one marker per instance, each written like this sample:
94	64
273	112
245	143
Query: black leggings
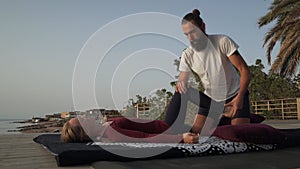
178	106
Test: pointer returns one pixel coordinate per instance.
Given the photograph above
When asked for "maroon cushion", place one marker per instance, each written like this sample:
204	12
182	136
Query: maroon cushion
253	133
254	118
140	130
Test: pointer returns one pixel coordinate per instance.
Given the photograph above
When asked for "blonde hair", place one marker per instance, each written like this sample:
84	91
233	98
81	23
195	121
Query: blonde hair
73	134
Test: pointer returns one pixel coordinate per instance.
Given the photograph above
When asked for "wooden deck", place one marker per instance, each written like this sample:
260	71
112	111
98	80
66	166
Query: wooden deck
19	151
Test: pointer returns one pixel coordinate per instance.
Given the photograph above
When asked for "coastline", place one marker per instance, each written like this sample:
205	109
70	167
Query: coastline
37	127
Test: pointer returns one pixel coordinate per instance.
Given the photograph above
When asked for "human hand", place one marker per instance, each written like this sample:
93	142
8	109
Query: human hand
232	107
227	111
181	87
190	138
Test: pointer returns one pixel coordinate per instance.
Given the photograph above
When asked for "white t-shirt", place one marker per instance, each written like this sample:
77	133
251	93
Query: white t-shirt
219	77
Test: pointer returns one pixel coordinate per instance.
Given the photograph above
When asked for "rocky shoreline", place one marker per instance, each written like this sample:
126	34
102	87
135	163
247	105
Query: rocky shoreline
39	127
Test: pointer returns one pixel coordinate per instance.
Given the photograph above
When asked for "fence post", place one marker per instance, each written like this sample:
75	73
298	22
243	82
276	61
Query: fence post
137	110
282	109
255	107
298	108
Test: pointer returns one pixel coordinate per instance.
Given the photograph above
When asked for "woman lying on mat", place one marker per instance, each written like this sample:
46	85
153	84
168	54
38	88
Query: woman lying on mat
122	130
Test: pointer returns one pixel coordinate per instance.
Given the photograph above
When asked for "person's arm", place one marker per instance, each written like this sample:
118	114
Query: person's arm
189	138
238	62
117	134
182	83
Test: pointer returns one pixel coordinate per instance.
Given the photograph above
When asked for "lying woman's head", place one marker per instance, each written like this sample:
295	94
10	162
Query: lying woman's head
72	131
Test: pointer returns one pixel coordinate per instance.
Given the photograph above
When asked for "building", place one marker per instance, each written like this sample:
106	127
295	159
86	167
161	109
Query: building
95	112
54	117
108	114
102	114
65	115
142	110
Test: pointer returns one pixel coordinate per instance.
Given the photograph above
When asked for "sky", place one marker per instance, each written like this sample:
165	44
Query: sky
63	55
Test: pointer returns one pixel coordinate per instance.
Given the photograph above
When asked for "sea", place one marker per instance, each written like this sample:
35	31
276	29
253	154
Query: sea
8	124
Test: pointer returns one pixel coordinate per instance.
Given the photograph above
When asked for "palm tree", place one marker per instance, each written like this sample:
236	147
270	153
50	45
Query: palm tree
286	13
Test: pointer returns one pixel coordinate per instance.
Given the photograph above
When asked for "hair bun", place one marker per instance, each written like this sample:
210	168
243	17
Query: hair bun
196	12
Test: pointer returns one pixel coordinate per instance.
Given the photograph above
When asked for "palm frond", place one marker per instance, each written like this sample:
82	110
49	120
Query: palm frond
286	56
286	13
277	10
292	67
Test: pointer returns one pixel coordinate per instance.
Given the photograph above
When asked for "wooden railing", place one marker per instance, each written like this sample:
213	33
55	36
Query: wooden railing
284	109
278	108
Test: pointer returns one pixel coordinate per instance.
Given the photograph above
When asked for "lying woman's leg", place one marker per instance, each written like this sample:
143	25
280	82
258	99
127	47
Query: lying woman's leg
147	126
118	134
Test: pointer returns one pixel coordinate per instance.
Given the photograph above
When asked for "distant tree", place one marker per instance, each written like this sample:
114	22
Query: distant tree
273	86
139	99
130	110
286	13
282	87
296	80
259	82
157	104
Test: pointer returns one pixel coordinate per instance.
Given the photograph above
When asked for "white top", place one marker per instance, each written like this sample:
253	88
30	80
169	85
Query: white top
219	77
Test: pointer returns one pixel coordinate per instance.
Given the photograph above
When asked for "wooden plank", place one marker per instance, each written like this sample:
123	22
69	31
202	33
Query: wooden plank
19	151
